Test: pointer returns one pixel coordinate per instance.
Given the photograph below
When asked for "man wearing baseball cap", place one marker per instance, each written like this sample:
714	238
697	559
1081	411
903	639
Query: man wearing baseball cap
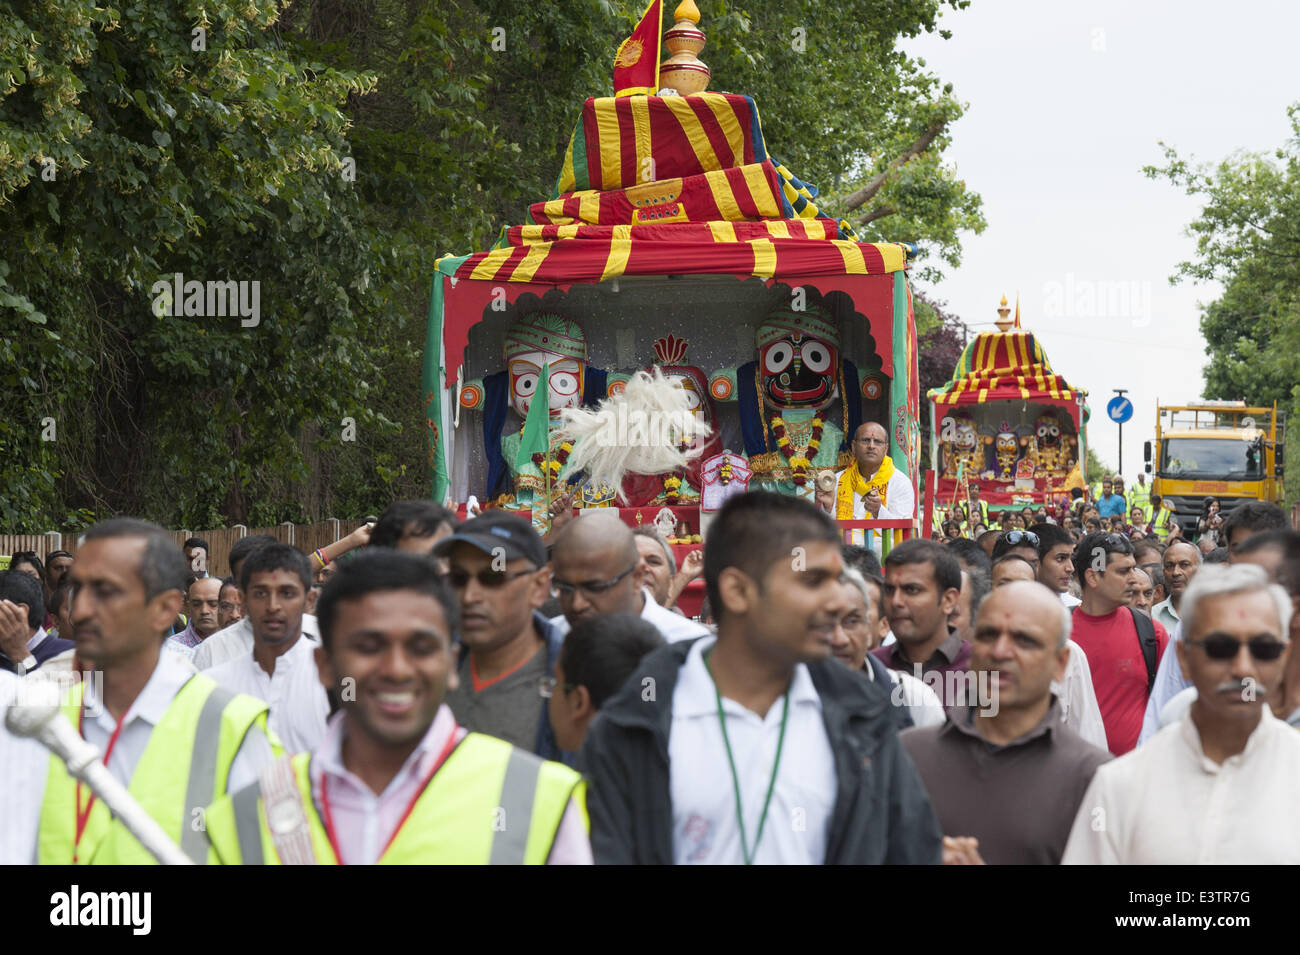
498	572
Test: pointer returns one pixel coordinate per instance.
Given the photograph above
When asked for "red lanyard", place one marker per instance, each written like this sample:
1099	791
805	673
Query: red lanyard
83	816
329	817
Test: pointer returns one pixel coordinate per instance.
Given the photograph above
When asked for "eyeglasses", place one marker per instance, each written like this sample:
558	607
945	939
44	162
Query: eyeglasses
1220	646
226	606
546	687
489	579
872	442
1014	538
592	587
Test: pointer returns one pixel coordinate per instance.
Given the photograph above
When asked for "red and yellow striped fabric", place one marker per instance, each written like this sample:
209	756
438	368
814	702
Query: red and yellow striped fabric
622	141
578	260
727	195
676	232
1003	366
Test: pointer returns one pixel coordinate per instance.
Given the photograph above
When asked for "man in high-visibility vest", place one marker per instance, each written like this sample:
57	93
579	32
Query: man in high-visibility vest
1139	495
171	736
974	509
396	781
1163	522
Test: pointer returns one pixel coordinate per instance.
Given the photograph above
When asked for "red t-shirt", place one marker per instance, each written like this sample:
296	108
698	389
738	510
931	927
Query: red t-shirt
1119	674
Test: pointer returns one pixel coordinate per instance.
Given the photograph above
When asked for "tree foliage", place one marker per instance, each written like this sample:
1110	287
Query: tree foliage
1248	237
330	150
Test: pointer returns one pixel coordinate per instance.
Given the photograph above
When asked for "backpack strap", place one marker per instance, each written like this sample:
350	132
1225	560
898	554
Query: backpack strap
1147	638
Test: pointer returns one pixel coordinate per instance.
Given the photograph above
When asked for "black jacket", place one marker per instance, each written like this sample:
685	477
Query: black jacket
882	813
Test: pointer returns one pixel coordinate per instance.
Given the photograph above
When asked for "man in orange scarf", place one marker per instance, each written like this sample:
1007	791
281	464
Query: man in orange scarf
871	487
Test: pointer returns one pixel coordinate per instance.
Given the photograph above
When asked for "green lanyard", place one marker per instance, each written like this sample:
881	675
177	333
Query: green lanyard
746	851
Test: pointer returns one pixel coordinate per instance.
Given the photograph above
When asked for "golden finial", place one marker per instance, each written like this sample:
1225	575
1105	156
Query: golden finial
1004	321
683	71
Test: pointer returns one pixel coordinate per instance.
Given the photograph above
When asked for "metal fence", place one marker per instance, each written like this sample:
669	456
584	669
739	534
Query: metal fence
305	537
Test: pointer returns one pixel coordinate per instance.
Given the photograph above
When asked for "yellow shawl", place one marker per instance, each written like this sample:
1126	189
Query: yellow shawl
852	483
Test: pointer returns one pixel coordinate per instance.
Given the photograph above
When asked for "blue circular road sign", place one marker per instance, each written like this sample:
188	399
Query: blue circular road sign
1119	409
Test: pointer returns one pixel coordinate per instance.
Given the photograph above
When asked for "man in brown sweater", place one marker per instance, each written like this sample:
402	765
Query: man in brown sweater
1006	779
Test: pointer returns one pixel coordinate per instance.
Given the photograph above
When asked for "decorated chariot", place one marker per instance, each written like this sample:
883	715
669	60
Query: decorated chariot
695	325
1008	423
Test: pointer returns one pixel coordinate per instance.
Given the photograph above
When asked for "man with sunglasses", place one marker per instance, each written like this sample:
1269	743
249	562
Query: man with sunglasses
498	571
585	554
1022	544
1220	786
1123	645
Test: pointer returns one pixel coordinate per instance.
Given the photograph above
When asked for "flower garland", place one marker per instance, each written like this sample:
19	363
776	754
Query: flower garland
556	463
724	472
672	487
800	463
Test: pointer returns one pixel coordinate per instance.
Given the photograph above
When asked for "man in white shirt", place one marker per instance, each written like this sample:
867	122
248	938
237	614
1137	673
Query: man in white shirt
127	591
1220	786
877	489
594	562
280	669
766	737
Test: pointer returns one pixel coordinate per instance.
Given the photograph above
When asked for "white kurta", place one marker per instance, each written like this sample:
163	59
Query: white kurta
1166	803
900	505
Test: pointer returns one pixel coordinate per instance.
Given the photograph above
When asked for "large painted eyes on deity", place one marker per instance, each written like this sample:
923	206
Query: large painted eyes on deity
1054	431
564	383
816	356
778	357
526	384
692	399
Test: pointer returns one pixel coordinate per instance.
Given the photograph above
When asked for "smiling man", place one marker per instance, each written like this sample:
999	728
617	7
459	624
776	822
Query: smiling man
1220	786
280	668
396	780
755	745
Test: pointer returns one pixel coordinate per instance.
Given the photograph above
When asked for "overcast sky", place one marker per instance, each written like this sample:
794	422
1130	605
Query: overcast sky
1067	102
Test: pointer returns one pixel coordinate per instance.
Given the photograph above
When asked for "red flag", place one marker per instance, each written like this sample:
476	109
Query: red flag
636	64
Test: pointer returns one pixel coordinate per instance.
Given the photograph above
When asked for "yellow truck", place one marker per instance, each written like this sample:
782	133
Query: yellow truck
1221	449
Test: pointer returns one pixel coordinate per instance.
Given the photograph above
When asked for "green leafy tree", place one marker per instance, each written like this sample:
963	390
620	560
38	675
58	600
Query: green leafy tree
1248	237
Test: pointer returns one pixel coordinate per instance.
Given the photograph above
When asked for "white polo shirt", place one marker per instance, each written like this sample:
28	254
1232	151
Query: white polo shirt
236	640
299	706
673	626
705	830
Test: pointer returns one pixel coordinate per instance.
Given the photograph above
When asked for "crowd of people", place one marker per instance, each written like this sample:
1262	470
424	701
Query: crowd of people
1029	687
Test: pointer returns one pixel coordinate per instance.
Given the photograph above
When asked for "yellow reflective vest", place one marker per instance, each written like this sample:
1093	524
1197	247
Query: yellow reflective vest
1160	522
490	802
185	765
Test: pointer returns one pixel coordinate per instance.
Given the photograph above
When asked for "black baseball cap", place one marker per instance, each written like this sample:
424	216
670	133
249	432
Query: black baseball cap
495	529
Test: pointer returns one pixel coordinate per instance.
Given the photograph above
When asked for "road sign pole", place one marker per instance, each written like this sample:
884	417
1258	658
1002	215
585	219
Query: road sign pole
1119	421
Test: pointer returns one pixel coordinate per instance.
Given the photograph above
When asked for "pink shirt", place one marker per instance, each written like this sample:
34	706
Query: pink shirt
364	821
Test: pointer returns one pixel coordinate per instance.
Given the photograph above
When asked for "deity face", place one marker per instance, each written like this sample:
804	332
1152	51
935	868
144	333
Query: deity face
1048	430
526	370
964	435
799	371
1006	443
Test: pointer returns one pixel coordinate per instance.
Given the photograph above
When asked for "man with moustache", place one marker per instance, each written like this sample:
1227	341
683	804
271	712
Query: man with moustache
396	780
1220	786
280	669
173	737
754	746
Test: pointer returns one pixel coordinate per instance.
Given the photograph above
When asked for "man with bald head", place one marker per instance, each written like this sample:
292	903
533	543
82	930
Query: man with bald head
871	487
1005	775
593	564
